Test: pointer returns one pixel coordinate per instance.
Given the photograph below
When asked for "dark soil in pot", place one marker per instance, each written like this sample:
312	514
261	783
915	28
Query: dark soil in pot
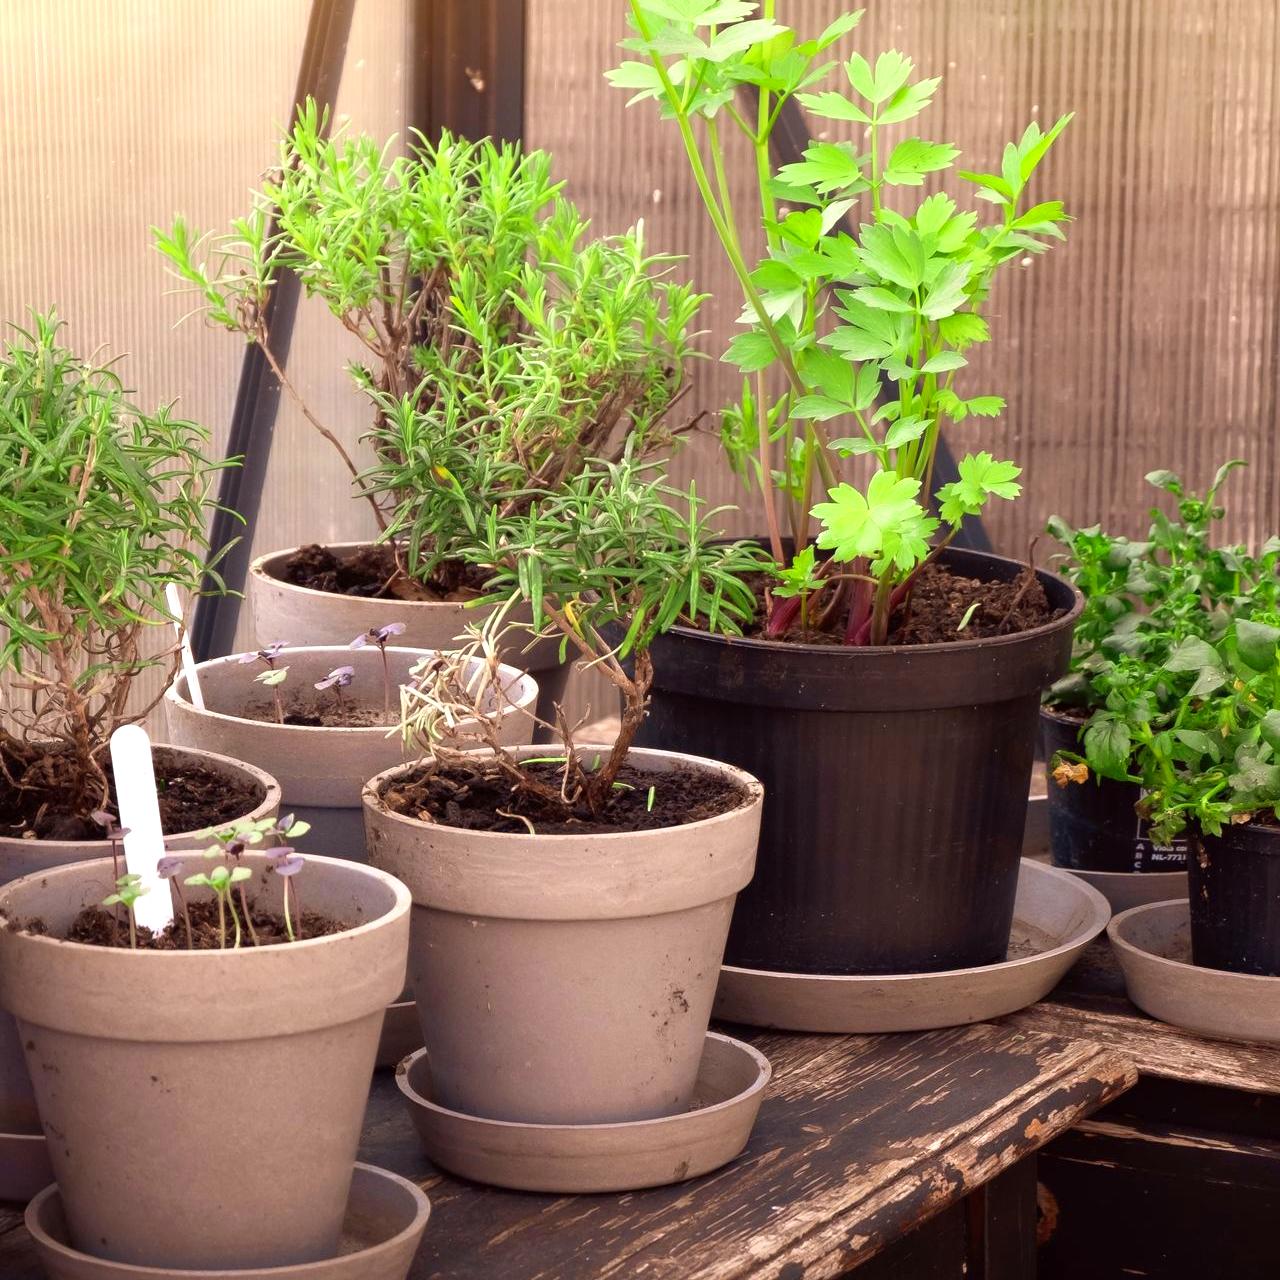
896	778
1094	825
485	798
1235	898
320	713
945	606
371	573
191	796
97	927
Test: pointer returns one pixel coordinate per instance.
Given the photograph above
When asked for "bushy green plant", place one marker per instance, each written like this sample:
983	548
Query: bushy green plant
835	315
607	563
102	506
1174	663
503	346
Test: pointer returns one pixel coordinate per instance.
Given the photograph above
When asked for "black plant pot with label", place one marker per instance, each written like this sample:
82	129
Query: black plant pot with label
896	782
1235	899
1094	825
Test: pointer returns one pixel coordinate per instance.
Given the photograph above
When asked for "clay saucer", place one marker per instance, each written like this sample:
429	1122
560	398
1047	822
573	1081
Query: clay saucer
1055	917
386	1216
1153	946
568	1159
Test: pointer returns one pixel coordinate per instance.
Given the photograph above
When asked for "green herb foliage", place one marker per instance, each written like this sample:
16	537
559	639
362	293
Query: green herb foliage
503	347
833	315
1175	662
607	562
102	505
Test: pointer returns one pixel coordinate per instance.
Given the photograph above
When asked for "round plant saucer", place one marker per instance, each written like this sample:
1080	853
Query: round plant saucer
1055	917
1125	889
1153	946
386	1216
568	1158
24	1166
401	1033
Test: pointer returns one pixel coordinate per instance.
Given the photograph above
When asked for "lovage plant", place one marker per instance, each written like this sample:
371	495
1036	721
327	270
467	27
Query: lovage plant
102	506
606	563
832	318
503	347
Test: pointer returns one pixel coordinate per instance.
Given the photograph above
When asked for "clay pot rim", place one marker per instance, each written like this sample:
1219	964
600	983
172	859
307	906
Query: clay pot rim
863	653
176	693
258	569
400	906
371	798
270	804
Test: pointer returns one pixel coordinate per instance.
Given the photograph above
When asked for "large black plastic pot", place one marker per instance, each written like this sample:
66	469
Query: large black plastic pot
1235	899
895	779
1094	826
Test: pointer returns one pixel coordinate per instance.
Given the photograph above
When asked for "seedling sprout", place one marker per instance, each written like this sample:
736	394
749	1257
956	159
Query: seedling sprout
380	636
337	680
129	888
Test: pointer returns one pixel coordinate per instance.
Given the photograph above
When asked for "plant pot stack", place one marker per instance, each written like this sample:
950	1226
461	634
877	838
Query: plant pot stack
165	1103
321	769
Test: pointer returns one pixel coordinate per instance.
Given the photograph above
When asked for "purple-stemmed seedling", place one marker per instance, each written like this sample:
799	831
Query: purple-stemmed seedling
114	833
167	869
273	677
380	636
337	680
286	862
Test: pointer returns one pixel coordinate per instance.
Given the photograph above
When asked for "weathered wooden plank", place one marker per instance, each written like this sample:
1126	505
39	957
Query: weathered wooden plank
860	1140
1090	1005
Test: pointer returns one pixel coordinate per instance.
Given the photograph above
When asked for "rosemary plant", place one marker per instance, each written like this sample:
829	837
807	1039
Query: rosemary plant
607	563
102	506
502	347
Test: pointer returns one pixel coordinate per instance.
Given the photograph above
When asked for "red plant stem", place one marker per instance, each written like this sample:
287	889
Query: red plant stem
782	616
859	612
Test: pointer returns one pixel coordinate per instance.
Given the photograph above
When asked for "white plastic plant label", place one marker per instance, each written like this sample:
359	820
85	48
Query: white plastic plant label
140	817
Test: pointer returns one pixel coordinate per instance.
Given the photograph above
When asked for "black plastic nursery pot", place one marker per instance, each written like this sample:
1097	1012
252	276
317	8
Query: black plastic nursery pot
896	783
1094	825
1235	899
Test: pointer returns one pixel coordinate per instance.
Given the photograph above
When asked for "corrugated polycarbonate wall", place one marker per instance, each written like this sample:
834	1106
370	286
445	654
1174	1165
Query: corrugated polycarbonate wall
114	116
1150	340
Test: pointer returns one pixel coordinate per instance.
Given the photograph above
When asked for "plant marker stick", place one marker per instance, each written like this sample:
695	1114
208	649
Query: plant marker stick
184	647
140	817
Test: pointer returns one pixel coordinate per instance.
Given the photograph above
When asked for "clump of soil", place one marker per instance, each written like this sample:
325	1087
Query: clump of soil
371	573
97	927
939	601
43	805
316	713
484	798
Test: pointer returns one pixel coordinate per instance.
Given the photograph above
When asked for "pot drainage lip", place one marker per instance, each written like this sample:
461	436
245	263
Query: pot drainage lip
1153	945
386	1216
1055	917
24	1166
570	1159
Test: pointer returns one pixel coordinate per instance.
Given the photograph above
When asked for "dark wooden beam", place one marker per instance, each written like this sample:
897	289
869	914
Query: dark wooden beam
468	67
253	419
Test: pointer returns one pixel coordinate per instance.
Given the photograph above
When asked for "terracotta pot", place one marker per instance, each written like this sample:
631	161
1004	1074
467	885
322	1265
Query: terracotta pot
282	611
568	979
23	857
203	1108
321	770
